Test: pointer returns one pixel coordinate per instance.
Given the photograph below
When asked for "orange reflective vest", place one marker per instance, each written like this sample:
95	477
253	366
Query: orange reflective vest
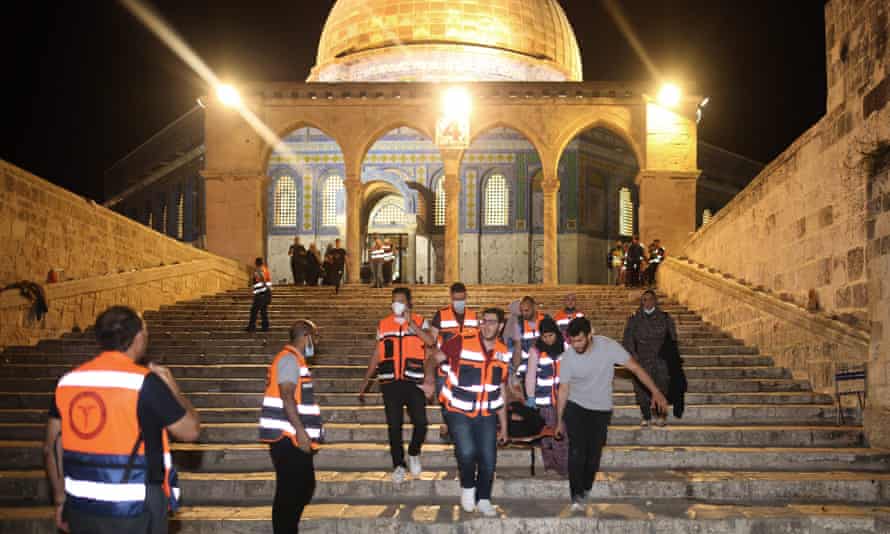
274	424
529	336
547	379
104	460
563	318
449	326
262	280
473	382
400	352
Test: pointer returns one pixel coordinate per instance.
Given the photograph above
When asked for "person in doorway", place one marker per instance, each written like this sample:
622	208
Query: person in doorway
262	296
542	387
584	407
338	257
449	322
116	476
297	253
569	311
389	261
656	257
622	274
290	422
377	255
399	363
644	334
634	262
313	265
476	367
616	261
525	335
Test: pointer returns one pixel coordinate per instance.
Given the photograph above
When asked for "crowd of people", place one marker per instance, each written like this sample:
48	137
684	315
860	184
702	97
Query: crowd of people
632	265
489	370
309	268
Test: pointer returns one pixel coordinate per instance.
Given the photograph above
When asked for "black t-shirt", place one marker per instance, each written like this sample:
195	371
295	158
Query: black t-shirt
298	254
156	409
338	255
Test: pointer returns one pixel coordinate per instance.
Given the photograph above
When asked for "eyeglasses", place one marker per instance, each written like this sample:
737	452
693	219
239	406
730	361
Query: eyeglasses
489	321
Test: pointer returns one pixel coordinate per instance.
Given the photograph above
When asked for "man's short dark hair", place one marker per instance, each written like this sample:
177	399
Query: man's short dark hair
494	311
299	329
578	326
259	262
458	287
402	291
528	300
117	327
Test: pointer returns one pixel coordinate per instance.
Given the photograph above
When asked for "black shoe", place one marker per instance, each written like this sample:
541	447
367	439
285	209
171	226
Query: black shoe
249	329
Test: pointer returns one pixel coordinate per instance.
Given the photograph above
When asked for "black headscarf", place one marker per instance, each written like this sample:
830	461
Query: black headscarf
558	346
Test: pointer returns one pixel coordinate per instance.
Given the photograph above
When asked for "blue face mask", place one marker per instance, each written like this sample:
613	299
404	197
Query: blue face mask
459	306
309	349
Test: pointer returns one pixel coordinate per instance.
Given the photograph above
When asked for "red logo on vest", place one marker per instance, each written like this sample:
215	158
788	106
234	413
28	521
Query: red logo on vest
87	415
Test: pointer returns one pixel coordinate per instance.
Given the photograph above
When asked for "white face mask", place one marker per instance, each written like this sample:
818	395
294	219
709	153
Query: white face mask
459	306
309	349
398	308
649	311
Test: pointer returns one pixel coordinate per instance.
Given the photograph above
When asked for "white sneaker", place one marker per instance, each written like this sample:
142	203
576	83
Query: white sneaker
468	499
414	465
398	475
577	507
486	508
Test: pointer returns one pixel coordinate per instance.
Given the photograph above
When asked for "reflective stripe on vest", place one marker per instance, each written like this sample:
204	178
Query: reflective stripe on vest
262	280
378	253
474	387
98	404
546	380
401	353
529	336
449	327
274	424
563	319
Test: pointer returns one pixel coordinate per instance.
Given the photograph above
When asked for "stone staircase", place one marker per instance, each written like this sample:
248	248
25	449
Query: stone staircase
757	451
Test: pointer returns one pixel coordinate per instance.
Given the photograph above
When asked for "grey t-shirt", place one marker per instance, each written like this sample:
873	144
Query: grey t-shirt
589	375
288	369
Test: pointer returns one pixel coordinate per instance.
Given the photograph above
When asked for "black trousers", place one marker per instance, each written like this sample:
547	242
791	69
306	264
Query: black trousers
587	430
396	396
294	485
260	305
299	272
152	521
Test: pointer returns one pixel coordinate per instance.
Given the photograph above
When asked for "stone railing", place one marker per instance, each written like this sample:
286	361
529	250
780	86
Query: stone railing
76	303
811	344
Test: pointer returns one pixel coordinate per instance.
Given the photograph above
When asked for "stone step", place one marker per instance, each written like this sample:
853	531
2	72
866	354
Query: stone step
25	379
246	457
624	413
522	516
257	488
731	436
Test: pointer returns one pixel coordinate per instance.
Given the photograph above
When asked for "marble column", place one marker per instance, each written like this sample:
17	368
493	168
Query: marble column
236	215
353	186
550	191
452	217
667	207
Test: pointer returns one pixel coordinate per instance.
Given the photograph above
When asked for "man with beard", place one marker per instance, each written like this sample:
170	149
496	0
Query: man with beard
107	447
584	408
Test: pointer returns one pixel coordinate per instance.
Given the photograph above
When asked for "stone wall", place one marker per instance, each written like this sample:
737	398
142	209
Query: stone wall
105	258
802	232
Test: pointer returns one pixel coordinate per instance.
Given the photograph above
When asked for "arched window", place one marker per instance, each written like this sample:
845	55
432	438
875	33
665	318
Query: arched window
706	216
625	212
496	201
391	212
180	216
285	202
333	187
164	217
439	203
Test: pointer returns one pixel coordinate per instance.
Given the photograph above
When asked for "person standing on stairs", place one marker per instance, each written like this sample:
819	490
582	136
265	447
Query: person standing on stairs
377	256
107	447
262	296
338	259
298	259
656	258
584	408
398	363
542	388
477	367
447	323
525	335
644	335
564	316
290	422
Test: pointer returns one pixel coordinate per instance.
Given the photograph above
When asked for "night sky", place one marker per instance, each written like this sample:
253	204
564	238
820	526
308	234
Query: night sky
85	83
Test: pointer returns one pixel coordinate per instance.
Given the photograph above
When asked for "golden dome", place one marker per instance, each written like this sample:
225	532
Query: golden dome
447	40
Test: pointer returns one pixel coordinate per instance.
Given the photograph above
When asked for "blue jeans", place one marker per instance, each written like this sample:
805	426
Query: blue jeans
476	449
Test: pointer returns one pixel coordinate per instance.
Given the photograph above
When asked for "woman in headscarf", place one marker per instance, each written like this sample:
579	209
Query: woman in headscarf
644	334
541	388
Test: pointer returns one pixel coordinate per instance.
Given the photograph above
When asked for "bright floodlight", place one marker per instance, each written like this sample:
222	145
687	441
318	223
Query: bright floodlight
228	95
669	95
456	102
